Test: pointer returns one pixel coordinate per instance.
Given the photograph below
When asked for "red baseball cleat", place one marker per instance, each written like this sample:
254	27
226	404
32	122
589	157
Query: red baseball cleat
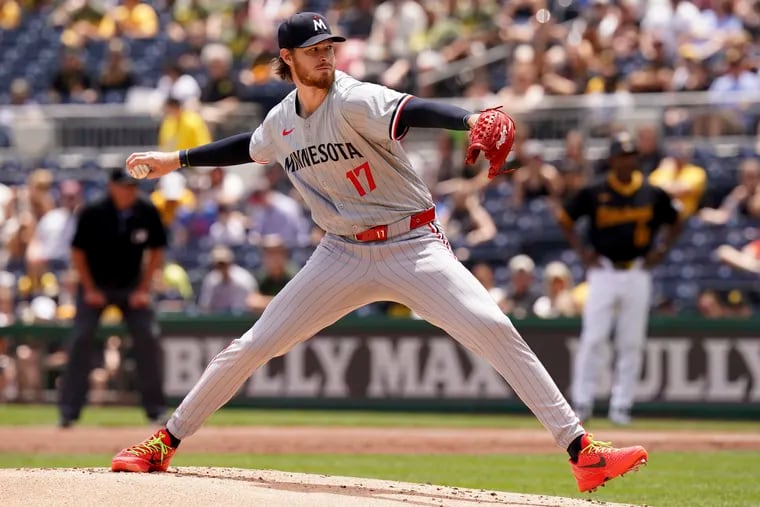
151	455
598	462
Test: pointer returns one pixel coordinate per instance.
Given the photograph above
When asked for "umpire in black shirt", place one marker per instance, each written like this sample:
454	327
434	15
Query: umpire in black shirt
117	247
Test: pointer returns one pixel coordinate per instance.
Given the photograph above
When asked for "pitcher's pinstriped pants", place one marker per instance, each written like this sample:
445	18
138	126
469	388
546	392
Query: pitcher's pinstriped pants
416	269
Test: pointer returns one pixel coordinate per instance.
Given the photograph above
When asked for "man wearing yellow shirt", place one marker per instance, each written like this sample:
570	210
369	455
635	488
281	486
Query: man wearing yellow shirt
681	179
181	128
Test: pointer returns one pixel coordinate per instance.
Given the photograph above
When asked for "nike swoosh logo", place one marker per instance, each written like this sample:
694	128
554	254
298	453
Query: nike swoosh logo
286	132
600	464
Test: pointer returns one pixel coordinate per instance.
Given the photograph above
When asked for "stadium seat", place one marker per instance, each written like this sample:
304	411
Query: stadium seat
5	138
493	206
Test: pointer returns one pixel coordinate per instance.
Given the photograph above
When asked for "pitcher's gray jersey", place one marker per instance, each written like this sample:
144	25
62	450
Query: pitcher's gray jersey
347	163
345	159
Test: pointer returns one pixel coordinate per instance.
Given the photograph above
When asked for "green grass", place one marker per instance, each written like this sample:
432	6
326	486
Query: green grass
45	415
671	479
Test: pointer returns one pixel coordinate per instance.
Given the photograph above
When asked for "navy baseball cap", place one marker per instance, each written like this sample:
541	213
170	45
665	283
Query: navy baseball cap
120	176
622	144
304	29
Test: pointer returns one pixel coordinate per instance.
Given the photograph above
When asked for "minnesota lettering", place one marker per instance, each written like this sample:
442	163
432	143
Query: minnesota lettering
317	154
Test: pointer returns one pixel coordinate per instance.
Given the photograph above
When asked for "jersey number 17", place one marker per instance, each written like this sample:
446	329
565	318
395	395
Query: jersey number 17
353	175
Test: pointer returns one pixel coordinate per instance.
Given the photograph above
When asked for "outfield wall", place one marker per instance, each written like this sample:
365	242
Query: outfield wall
692	366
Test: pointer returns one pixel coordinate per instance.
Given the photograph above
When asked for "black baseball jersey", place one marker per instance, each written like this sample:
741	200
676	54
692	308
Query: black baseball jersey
114	241
624	218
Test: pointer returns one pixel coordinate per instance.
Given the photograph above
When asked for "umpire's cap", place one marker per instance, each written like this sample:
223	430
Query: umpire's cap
622	144
304	29
120	176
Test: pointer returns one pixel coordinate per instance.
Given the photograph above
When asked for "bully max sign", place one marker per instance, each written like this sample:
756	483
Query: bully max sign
676	369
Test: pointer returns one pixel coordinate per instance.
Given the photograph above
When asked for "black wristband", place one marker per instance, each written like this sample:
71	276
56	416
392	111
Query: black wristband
464	120
183	159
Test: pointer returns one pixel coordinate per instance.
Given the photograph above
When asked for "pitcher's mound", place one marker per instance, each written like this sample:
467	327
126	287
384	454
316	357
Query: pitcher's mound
191	486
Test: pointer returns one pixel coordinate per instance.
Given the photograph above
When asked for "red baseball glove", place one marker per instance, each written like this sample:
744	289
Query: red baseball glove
494	135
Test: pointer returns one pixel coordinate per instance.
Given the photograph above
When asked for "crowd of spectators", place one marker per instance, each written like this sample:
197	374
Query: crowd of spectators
226	236
217	53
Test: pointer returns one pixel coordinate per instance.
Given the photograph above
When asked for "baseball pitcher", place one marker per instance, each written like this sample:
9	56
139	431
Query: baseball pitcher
338	141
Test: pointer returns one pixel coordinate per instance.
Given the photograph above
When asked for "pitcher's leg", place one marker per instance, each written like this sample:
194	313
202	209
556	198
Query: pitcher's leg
443	292
630	338
598	317
325	289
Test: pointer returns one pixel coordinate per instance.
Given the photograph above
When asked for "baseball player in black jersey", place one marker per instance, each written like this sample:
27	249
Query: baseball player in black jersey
625	214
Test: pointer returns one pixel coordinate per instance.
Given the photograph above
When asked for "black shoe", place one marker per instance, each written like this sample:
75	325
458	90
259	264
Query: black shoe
65	422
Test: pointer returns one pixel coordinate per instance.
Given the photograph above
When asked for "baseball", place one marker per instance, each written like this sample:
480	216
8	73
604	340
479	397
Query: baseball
140	171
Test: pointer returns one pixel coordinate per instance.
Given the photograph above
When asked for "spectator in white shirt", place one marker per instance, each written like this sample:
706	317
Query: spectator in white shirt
272	212
230	227
227	287
50	247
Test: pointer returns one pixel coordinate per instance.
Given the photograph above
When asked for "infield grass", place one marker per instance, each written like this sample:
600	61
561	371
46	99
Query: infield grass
671	479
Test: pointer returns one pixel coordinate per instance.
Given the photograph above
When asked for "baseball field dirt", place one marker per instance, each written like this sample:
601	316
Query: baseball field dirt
194	486
191	486
357	440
